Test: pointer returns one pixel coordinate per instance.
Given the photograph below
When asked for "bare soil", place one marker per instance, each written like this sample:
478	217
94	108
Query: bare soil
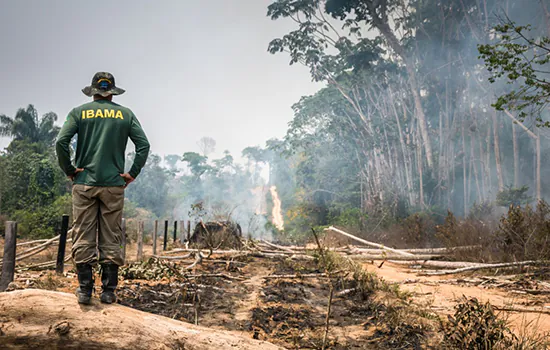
442	293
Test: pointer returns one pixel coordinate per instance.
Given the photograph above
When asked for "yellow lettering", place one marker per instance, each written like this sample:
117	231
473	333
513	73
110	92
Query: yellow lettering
119	115
99	113
109	113
83	115
89	114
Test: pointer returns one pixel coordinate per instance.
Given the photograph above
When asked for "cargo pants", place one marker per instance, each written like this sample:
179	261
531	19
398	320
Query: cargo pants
97	228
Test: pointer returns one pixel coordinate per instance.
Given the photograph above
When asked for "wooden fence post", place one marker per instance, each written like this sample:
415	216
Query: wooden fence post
155	235
60	266
165	234
188	230
182	231
140	241
8	261
175	230
124	239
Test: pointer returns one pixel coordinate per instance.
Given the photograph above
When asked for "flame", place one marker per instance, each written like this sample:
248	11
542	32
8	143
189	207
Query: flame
277	212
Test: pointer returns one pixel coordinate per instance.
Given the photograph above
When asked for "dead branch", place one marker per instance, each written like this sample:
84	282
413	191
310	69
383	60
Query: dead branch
488	266
278	247
31	242
521	309
398	252
198	260
437	264
417	258
327	319
441	250
45	244
531	291
345	292
280	255
221	275
36	250
180	257
51	263
215	252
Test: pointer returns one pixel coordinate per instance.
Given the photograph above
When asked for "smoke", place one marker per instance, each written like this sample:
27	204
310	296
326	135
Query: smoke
224	191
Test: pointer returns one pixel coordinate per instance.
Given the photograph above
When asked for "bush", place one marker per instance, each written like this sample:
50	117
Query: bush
43	222
468	232
476	326
349	218
415	231
524	233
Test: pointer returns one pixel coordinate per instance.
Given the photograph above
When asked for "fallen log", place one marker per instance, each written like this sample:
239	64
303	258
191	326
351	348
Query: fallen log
45	244
487	266
441	250
221	275
36	250
434	251
50	263
437	264
280	255
40	319
206	251
531	291
32	242
298	276
521	309
177	257
394	257
277	246
396	251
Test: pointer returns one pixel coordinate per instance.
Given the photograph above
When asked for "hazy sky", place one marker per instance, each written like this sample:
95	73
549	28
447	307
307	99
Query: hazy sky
190	68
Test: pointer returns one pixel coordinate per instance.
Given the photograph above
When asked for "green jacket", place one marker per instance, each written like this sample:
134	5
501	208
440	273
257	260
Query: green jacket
103	129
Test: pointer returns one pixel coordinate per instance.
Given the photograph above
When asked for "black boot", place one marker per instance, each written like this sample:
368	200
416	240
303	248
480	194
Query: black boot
86	282
109	279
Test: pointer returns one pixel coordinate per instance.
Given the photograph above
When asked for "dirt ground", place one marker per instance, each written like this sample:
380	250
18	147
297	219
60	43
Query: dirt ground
238	295
441	294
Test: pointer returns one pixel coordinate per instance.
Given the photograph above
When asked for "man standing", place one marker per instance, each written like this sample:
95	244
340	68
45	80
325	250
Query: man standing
102	128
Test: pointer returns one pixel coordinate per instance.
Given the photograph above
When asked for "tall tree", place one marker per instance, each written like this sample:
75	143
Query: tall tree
29	127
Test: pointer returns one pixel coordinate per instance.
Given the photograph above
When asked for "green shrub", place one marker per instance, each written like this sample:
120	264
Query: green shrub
513	196
43	222
476	326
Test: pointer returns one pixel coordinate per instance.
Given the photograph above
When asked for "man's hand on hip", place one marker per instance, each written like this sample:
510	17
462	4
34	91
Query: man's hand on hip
73	176
127	178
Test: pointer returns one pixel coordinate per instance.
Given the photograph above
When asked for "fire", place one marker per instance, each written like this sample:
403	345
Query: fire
277	212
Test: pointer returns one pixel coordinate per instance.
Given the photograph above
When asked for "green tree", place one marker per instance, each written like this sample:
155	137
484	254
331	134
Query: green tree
521	58
29	127
172	160
151	188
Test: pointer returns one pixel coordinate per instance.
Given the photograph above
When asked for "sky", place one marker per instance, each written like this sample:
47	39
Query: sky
190	68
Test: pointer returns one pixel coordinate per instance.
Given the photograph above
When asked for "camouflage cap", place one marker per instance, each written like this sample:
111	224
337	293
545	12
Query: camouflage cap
103	84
